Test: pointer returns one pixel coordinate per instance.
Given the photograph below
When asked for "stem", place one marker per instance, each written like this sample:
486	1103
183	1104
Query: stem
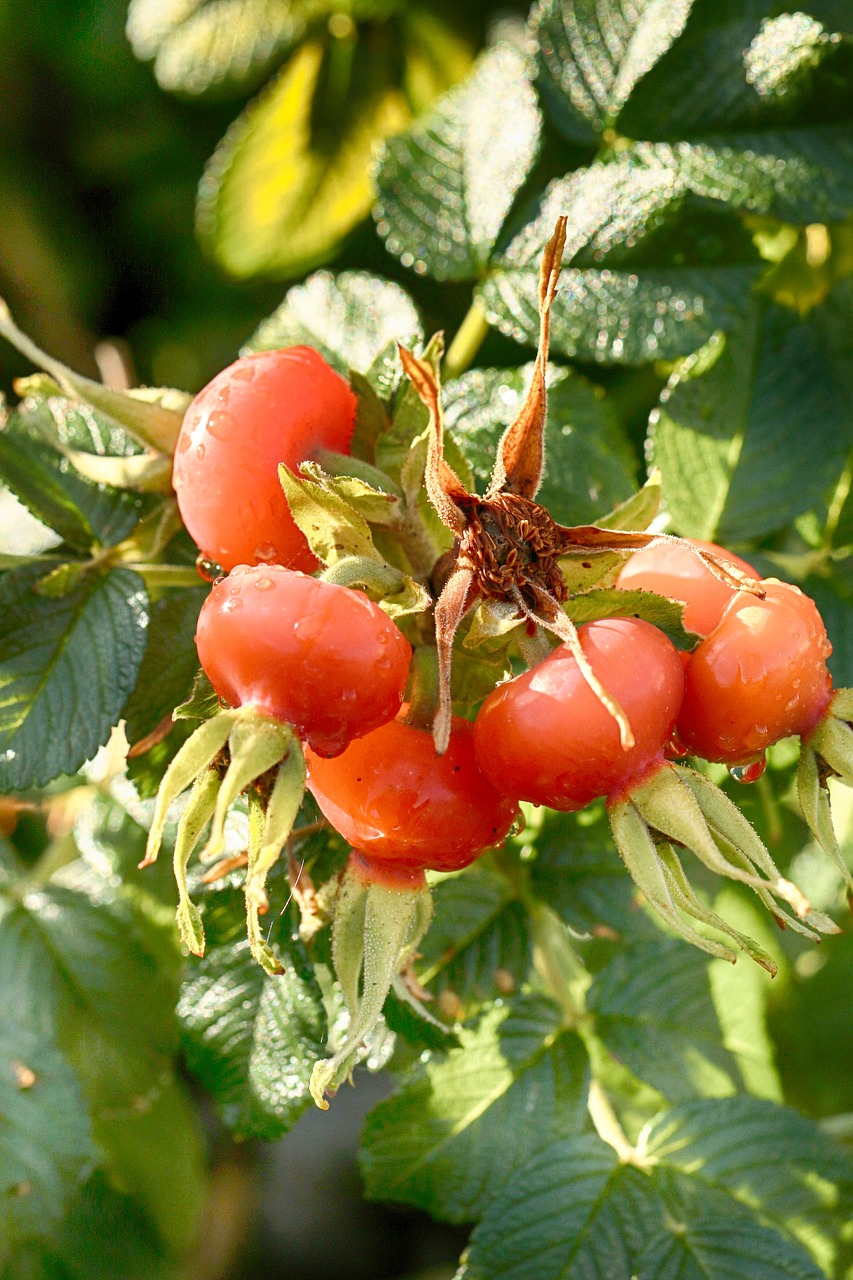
467	342
423	688
607	1125
167	575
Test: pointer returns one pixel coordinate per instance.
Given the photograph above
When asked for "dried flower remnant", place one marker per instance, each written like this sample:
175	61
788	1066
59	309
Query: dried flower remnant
508	547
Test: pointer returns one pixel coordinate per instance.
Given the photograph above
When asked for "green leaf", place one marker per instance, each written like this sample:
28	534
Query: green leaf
282	191
349	318
45	1136
654	1010
478	942
784	51
763	1156
74	426
464	1123
578	872
611	602
66	668
592	53
169	665
200	46
736	431
446	186
436	56
253	1039
589	464
85	515
334	529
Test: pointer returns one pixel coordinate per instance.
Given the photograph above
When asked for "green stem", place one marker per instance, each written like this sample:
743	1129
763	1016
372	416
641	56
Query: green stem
167	575
469	337
423	688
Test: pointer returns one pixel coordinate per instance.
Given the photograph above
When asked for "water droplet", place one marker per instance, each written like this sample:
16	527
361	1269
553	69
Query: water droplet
747	773
233	603
220	425
675	748
265	553
207	569
518	825
224	703
264	584
200	451
183	442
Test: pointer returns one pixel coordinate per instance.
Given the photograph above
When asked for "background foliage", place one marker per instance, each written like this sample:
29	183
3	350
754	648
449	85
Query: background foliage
703	153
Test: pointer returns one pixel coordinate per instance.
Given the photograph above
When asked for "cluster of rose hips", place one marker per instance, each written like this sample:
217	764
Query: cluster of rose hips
318	686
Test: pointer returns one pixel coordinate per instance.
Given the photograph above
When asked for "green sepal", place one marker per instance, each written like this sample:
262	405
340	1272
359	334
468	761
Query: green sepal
684	896
638	511
333	528
197	753
146	415
281	810
395	920
833	741
842	704
670	803
195	817
256	743
365	488
814	803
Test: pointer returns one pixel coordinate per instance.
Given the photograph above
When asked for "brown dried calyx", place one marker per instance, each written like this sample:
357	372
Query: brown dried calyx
508	547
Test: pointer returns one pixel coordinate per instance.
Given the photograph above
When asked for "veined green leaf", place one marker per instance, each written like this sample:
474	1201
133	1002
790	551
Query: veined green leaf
463	1124
611	602
67	666
446	186
280	194
349	318
252	1039
169	664
593	52
334	529
45	1137
736	430
199	46
589	464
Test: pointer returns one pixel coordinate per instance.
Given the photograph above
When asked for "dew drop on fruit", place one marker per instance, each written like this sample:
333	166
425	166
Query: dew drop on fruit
518	825
675	748
232	604
208	569
747	773
224	703
220	424
264	584
200	451
265	553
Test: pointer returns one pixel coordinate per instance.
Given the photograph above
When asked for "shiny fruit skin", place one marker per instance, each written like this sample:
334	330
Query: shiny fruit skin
545	737
670	569
276	406
398	803
759	676
320	657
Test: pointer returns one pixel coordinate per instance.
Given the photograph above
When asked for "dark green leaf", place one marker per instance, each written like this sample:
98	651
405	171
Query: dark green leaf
349	318
170	663
82	513
654	1010
593	52
578	872
66	668
610	602
219	45
463	1124
311	134
45	1136
69	423
446	186
736	432
252	1039
589	465
763	1156
478	940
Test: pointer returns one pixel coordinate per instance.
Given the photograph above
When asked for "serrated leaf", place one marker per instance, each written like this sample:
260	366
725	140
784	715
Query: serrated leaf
479	939
591	55
785	48
279	194
764	1156
66	667
70	424
45	1136
202	702
85	515
169	664
654	1010
611	602
446	186
349	318
464	1123
199	46
589	464
253	1039
734	435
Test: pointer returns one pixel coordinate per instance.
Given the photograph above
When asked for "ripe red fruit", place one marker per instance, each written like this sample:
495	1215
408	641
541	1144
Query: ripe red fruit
320	657
546	737
276	406
758	677
400	805
670	569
